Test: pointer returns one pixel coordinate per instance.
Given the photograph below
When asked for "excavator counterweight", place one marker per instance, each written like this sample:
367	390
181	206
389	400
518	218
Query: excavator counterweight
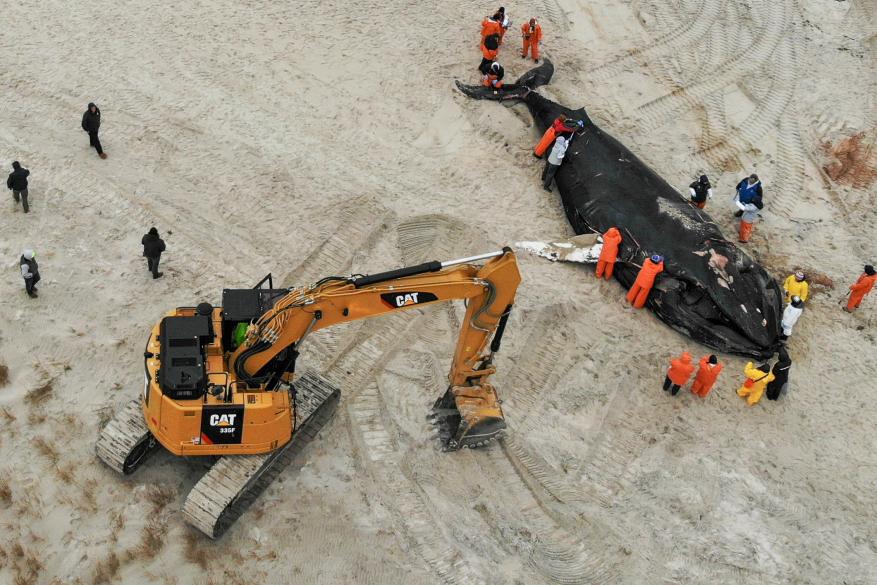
221	381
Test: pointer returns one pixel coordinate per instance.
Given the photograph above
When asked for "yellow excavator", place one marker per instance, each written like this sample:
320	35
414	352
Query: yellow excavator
220	381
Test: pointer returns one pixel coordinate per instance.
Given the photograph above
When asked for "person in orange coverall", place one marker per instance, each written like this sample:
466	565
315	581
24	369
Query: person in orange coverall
709	370
490	26
609	253
561	125
678	373
532	33
489	49
494	76
503	21
757	380
862	287
639	292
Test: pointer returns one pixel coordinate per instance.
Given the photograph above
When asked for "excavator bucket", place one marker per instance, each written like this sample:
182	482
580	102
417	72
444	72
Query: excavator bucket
468	416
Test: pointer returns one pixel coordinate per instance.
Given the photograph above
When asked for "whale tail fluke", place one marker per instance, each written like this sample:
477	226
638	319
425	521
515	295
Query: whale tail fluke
537	76
530	80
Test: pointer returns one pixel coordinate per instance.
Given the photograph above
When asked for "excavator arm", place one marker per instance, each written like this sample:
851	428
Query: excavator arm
469	413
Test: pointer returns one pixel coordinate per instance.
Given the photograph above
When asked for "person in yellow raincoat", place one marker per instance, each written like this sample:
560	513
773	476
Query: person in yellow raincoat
757	380
796	286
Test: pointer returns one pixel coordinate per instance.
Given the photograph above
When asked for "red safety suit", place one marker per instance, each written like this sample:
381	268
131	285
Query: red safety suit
639	292
681	369
490	27
491	80
609	253
858	290
706	377
745	230
557	127
532	37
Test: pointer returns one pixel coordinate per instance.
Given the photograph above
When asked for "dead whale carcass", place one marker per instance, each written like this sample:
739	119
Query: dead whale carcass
710	289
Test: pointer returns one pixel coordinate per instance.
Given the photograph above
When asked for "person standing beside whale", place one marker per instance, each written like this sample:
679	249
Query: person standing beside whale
555	159
860	288
645	280
489	50
700	191
749	215
749	191
678	373
561	125
531	32
780	372
608	253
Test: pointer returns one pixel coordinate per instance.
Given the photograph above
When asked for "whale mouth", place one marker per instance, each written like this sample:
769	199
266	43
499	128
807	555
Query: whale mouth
692	311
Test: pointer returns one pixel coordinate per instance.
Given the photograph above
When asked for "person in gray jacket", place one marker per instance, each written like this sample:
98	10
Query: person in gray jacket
30	271
555	159
17	182
749	213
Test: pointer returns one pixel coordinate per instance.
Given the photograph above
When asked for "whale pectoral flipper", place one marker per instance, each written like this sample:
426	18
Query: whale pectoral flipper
584	249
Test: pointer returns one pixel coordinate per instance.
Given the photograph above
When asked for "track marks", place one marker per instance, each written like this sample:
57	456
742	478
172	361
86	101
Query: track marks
410	511
359	225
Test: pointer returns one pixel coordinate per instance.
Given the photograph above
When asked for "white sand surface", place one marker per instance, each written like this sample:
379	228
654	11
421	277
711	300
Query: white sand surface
323	137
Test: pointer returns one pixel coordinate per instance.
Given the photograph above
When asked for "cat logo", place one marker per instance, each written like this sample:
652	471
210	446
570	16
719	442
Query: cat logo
222	425
222	420
397	300
406	299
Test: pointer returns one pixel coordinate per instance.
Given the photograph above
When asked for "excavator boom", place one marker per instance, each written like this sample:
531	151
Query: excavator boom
469	413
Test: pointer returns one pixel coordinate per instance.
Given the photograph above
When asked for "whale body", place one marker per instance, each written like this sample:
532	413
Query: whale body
710	289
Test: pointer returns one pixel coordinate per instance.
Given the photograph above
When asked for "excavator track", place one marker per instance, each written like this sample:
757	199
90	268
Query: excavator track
233	483
126	442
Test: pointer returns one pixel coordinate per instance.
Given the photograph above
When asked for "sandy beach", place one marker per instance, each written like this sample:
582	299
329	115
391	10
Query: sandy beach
317	138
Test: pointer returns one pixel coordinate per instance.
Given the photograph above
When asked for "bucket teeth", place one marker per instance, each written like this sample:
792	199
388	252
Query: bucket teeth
467	416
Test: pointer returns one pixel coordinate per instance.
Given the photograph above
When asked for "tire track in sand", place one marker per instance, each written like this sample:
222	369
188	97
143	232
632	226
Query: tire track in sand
659	111
681	37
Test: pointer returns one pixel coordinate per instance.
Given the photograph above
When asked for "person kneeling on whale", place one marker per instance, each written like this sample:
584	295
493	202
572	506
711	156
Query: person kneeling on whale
555	159
493	77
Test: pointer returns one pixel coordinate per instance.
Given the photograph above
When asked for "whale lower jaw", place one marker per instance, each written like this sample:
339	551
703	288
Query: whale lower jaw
723	337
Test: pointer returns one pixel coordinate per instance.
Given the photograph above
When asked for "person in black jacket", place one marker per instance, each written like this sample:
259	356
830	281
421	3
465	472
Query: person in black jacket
17	181
781	375
700	191
153	246
91	124
30	272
